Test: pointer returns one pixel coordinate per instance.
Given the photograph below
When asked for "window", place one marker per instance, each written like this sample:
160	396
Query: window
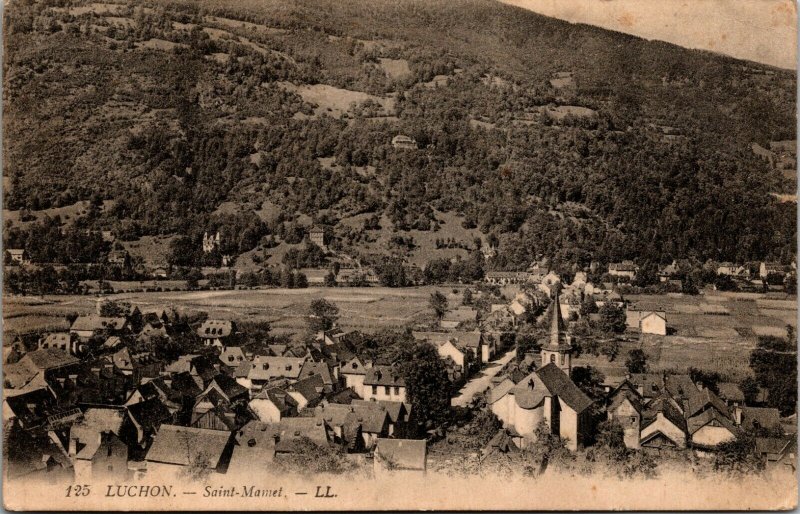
44	345
109	452
563	359
208	330
265	366
396	390
288	367
374	389
230	358
386	390
553	358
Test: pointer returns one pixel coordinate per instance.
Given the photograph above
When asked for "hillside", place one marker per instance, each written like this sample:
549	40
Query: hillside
550	138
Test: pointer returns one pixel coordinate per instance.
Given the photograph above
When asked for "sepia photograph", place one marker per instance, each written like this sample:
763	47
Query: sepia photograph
292	255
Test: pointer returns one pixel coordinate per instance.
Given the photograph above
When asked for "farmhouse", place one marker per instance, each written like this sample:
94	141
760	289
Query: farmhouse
653	323
383	383
732	270
61	340
17	256
773	269
216	332
86	327
504	278
624	269
402	141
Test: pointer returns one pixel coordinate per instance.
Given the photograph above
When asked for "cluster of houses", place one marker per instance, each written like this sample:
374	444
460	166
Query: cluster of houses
663	413
658	412
92	403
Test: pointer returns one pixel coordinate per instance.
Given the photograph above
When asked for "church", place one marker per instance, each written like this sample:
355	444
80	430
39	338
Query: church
547	395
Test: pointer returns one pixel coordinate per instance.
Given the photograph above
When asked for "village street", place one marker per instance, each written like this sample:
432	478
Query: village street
482	380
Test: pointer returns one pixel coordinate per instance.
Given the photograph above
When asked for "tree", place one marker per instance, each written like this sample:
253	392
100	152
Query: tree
738	457
636	361
774	364
427	385
612	319
322	315
330	279
527	342
709	379
112	309
749	387
467	297
588	306
438	303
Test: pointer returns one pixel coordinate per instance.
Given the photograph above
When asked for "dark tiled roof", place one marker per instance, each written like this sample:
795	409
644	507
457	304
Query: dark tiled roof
396	410
383	376
311	388
94	322
704	418
663	404
279	397
229	387
49	358
215	328
321	369
149	414
560	385
761	416
184	445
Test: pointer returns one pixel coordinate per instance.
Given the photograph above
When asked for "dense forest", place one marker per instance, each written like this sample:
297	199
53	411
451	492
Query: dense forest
548	138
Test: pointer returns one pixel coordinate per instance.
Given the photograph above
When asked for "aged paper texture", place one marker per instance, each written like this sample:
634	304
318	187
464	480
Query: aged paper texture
399	255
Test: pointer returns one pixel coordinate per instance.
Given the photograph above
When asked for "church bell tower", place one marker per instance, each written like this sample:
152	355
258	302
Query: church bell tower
558	349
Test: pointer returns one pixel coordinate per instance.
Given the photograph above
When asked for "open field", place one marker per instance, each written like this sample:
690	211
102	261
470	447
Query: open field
697	339
714	331
368	308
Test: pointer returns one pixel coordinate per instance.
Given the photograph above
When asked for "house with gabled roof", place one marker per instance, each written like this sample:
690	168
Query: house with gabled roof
232	357
399	413
88	326
264	369
216	332
663	426
626	408
272	404
761	420
146	418
308	392
103	458
175	448
353	371
384	383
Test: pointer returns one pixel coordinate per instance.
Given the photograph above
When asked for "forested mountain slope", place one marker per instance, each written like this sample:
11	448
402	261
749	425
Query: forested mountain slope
260	117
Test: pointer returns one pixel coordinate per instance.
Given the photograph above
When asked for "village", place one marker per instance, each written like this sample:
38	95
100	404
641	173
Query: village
516	361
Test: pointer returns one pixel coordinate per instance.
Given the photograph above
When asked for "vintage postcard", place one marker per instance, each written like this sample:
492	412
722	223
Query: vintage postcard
399	254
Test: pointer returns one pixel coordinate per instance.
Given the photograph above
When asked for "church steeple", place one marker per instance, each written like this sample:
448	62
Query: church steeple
559	344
